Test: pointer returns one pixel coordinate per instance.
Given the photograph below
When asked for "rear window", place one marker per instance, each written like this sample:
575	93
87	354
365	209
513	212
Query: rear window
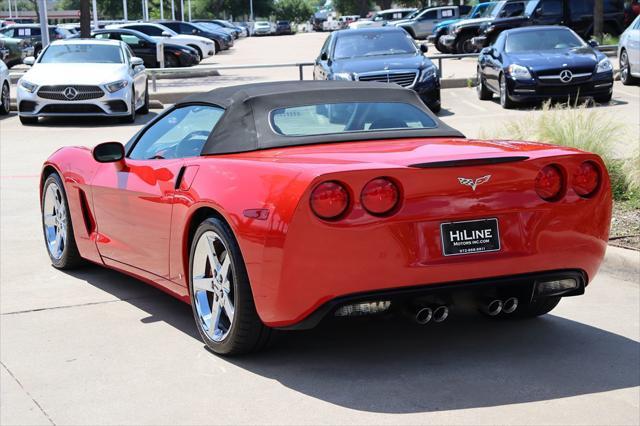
324	119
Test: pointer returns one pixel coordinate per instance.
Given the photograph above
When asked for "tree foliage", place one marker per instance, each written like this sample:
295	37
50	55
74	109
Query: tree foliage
353	7
293	10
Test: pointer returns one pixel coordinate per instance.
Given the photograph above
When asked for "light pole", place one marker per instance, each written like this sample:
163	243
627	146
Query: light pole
251	10
161	10
189	3
10	11
44	22
95	15
182	9
173	10
125	12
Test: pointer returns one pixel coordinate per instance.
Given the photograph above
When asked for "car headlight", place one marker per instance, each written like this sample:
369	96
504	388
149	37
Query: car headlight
28	86
518	72
604	66
342	76
116	85
428	73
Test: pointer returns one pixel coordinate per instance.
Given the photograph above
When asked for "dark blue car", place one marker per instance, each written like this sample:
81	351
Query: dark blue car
538	63
385	54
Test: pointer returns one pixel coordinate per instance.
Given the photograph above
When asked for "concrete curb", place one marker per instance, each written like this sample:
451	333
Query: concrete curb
623	263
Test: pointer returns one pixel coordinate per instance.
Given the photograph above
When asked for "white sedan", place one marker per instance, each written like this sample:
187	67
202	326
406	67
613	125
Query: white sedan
5	101
629	53
83	77
203	45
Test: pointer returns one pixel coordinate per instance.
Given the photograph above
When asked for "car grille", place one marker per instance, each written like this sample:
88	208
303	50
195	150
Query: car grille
404	79
60	92
72	109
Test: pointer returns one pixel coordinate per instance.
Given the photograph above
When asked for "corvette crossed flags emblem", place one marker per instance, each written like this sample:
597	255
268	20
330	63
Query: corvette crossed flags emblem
474	183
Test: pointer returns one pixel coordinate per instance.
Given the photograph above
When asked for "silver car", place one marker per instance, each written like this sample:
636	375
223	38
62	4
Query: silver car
421	26
83	77
629	54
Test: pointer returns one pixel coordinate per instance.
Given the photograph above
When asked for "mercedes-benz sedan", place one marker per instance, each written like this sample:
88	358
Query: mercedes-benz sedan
83	77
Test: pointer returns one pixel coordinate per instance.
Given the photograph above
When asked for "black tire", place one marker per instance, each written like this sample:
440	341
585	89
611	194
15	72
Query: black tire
435	108
217	46
144	109
28	121
70	258
131	118
535	308
197	49
484	93
5	100
246	333
505	97
604	99
464	45
625	70
441	47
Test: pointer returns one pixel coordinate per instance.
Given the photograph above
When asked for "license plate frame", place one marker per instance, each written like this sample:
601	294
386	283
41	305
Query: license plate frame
470	244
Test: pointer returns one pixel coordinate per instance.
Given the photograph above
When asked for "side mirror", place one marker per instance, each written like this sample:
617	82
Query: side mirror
136	62
424	48
166	34
108	152
324	56
592	43
29	60
194	31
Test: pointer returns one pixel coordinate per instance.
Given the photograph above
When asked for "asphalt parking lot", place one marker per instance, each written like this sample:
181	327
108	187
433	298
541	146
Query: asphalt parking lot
96	347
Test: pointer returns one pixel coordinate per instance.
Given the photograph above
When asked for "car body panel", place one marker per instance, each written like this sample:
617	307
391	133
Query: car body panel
296	262
423	24
630	42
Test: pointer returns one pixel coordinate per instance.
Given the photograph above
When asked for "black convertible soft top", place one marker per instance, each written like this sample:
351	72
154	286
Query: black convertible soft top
245	124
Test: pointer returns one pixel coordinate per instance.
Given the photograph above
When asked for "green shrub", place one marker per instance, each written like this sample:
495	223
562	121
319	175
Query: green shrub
585	128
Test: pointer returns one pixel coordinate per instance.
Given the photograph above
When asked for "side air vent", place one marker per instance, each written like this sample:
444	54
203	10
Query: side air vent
470	162
89	222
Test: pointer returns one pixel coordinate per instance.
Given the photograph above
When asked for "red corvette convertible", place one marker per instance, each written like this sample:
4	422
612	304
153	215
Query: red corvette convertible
272	206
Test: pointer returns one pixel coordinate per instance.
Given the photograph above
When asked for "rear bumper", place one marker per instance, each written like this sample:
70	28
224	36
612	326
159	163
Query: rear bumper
523	286
479	41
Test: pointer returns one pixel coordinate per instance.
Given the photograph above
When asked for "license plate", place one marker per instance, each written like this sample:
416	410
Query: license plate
471	236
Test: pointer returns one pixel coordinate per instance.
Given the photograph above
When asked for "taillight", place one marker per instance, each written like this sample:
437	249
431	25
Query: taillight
549	183
380	196
586	179
329	200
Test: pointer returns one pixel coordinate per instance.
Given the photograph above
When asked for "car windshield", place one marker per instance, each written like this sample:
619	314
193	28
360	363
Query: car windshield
82	53
373	44
323	119
495	10
542	40
203	27
486	11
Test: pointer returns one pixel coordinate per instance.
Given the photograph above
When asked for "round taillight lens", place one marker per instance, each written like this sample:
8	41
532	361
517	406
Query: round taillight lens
329	200
549	183
380	196
586	179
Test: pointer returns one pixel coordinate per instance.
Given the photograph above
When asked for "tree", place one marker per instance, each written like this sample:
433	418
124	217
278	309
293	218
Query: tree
598	19
293	10
353	7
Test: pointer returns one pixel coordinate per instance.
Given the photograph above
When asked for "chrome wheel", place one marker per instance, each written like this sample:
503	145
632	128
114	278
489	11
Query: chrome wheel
624	67
6	99
54	217
212	279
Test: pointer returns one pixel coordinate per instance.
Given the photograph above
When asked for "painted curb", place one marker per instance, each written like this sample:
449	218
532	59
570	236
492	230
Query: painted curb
622	263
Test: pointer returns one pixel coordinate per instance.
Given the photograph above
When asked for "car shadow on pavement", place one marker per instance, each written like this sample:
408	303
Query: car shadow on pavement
390	365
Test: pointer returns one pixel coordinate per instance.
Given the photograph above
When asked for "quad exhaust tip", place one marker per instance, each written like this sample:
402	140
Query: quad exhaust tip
492	308
510	305
441	313
426	314
423	315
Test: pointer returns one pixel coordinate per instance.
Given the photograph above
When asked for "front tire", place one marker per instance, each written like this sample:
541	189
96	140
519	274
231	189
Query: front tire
464	45
5	100
144	109
484	94
505	98
221	297
131	118
57	227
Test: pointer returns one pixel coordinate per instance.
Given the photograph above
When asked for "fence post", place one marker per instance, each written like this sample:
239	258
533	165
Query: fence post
301	72
440	67
153	81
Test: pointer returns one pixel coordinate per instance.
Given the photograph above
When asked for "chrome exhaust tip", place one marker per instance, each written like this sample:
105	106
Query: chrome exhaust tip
423	315
510	305
492	308
441	313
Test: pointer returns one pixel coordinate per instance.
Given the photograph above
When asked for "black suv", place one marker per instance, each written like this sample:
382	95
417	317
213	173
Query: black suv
575	14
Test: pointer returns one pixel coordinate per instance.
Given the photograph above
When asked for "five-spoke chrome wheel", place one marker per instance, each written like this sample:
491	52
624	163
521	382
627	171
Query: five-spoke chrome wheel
212	277
54	216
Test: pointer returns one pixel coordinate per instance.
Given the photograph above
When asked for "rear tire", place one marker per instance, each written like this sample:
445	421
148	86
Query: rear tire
441	47
57	226
226	293
28	121
5	100
484	94
197	49
464	45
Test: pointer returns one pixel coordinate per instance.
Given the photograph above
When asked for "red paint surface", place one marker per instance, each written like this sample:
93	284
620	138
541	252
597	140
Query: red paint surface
295	261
